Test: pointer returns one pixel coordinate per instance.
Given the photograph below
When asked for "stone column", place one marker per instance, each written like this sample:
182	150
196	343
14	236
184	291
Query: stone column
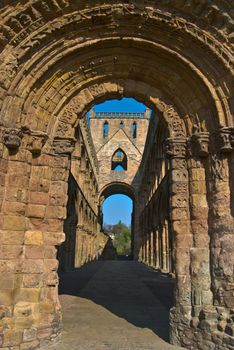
165	253
221	223
200	252
149	247
154	248
33	211
160	228
157	248
180	220
79	232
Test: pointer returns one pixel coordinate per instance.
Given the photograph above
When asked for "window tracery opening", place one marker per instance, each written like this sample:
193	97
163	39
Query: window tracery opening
134	130
105	129
119	160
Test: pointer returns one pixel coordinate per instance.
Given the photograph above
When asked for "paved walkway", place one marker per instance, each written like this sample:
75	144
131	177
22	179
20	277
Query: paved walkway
115	305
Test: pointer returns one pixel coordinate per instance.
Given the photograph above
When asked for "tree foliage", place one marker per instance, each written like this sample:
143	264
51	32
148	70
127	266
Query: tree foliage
121	237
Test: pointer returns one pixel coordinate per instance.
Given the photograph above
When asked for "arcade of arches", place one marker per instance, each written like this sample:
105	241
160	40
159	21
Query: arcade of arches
58	58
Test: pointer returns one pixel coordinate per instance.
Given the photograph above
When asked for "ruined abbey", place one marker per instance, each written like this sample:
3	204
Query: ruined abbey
58	59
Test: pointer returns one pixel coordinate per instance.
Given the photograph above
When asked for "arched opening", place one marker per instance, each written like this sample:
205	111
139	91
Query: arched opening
119	160
105	129
59	59
134	130
117	203
121	125
117	223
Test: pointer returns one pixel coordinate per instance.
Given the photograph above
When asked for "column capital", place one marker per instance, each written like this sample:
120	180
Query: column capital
11	138
34	141
199	144
63	145
225	139
176	147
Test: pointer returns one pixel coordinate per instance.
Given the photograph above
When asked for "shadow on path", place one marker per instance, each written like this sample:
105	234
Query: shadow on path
129	290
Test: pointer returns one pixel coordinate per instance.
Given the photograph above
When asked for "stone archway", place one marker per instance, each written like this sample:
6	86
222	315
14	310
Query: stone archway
47	85
124	189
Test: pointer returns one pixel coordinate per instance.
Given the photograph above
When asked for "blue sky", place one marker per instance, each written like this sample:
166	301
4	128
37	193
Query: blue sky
118	207
124	105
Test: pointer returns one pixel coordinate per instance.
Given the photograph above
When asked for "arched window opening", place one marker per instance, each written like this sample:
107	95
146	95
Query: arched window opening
105	129
119	160
121	124
117	212
134	130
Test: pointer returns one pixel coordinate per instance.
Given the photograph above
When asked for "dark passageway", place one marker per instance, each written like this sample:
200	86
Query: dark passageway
115	305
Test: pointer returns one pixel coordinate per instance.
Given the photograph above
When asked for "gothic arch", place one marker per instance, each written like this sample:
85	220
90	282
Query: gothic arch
119	158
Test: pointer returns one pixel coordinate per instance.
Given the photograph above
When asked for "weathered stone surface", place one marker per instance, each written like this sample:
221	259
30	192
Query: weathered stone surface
57	60
34	238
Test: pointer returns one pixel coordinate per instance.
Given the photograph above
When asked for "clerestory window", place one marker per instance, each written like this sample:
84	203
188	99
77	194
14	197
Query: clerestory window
105	129
121	124
134	130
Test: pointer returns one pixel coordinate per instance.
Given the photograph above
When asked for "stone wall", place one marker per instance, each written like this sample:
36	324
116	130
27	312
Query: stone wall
57	60
176	231
119	137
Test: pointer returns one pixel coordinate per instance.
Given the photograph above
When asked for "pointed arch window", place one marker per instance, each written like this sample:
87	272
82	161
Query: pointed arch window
105	129
134	130
121	124
119	160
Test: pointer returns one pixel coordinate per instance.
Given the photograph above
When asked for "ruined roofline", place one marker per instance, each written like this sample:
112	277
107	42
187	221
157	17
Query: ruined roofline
138	115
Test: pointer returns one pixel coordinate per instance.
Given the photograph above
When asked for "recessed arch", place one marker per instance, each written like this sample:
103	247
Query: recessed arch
134	130
205	85
59	58
105	128
117	188
119	159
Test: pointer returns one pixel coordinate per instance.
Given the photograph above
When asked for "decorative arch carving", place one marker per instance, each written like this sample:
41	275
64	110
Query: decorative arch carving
80	104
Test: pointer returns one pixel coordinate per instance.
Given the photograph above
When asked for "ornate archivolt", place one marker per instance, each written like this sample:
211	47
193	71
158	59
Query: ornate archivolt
26	25
43	69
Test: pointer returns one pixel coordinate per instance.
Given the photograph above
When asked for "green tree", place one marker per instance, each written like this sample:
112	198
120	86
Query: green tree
122	237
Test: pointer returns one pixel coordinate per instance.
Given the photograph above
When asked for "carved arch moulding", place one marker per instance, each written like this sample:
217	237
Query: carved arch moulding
56	19
32	19
80	105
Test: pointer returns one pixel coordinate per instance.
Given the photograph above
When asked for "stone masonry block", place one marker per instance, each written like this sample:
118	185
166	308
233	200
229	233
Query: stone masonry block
12	338
13	223
30	334
41	198
198	200
34	238
7	281
12	237
53	238
198	174
6	297
14	208
31	281
198	187
36	211
11	251
31	295
32	266
56	212
30	345
34	252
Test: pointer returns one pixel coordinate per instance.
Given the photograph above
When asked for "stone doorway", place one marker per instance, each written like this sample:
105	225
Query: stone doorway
58	59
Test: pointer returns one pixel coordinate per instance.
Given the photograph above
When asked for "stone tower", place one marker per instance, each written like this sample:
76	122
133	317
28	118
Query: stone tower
119	140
